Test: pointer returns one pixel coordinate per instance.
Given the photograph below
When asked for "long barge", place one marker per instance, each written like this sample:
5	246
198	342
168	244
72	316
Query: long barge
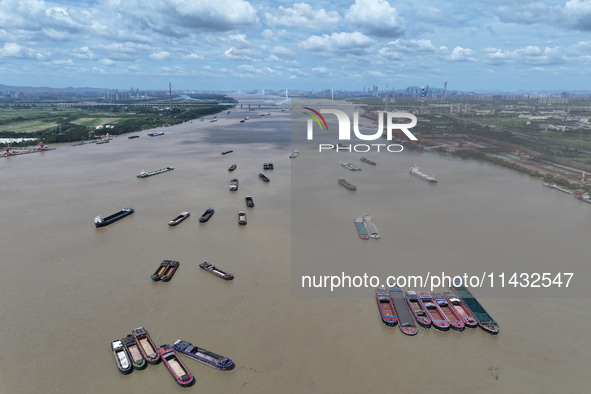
405	320
455	321
437	316
485	321
347	184
203	356
417	309
461	309
144	174
386	307
101	222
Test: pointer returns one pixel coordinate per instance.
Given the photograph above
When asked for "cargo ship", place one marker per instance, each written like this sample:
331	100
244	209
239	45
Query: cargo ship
366	160
371	227
206	357
405	321
101	222
417	309
144	174
455	321
485	321
386	307
429	178
361	230
345	183
461	309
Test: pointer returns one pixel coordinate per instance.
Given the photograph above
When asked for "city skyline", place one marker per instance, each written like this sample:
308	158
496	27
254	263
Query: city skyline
246	45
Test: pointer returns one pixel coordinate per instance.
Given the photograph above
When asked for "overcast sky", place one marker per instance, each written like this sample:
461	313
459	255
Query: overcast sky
243	45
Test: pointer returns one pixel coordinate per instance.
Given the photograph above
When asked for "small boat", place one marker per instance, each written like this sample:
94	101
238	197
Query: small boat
345	183
462	311
265	166
156	134
232	167
226	152
366	160
294	154
271	166
175	366
455	321
361	230
173	266
405	322
101	222
133	136
485	321
242	218
203	356
212	269
438	318
242	120
417	309
263	177
179	218
137	360
386	307
234	184
350	167
207	215
121	357
144	174
371	227
157	275
249	201
146	346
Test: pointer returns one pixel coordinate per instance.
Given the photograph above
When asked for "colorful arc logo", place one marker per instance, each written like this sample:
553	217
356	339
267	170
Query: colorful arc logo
315	118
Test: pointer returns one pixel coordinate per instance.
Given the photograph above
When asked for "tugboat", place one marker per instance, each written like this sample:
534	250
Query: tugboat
121	357
232	167
203	356
206	215
212	269
249	201
405	322
438	318
263	177
417	309
146	346
137	360
242	218
179	218
175	366
386	307
101	222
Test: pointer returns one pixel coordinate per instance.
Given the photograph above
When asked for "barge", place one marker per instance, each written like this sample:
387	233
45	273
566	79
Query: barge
121	357
417	309
144	174
461	309
345	183
455	321
371	227
485	321
212	269
175	366
203	356
137	360
101	222
386	307
179	218
405	321
438	318
361	230
146	345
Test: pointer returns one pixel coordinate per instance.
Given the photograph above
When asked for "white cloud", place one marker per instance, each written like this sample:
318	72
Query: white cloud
237	54
302	15
14	50
375	17
460	54
341	43
162	55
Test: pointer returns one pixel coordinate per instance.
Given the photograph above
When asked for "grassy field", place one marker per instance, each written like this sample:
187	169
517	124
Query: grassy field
28	126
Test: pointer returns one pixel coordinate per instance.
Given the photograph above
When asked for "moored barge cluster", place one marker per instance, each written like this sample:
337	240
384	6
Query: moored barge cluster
454	309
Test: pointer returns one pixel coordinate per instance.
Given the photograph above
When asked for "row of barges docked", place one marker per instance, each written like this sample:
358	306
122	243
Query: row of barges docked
455	309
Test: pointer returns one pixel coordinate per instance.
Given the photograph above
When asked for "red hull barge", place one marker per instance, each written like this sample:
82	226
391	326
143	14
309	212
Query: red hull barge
455	321
438	318
461	309
175	366
147	347
386	307
417	310
405	322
